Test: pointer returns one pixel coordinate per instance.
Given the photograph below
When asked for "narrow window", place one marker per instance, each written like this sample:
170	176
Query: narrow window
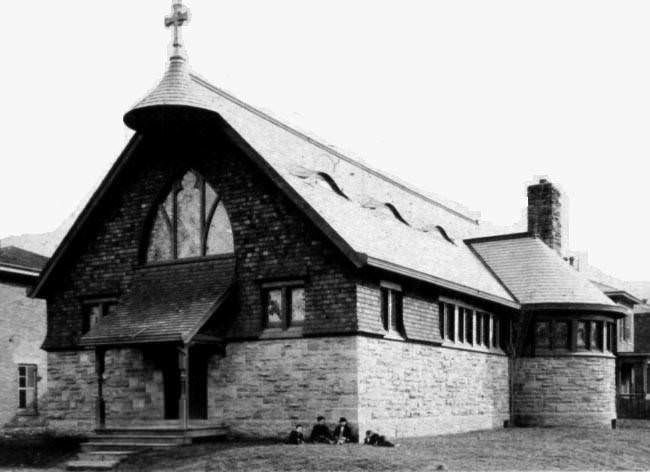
495	332
597	335
391	310
274	309
610	337
469	326
441	319
297	305
479	328
461	324
542	334
27	378
486	330
450	311
581	335
560	335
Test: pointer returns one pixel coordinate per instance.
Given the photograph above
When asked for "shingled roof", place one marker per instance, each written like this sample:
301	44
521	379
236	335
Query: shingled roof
537	276
166	303
17	257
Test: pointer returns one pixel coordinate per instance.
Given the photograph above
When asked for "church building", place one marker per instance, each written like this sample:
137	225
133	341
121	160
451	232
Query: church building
233	271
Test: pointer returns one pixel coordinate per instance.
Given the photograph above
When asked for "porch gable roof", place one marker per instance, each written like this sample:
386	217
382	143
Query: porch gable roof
166	303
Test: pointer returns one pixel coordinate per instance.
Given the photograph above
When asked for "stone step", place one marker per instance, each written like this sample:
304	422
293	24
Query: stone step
139	438
118	446
104	455
91	465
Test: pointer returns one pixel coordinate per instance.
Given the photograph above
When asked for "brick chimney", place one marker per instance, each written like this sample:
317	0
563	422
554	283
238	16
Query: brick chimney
545	214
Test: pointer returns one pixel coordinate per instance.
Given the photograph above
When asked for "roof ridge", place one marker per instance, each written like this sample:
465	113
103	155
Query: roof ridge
328	148
500	237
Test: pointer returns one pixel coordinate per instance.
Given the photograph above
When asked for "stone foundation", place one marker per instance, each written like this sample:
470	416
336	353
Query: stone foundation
565	391
408	389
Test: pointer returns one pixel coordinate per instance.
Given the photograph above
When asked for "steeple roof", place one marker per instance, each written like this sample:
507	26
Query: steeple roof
174	99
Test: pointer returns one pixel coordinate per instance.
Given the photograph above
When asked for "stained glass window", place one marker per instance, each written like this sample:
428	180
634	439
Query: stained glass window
191	222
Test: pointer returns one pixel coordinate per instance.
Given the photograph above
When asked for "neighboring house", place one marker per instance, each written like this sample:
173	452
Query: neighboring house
232	270
23	365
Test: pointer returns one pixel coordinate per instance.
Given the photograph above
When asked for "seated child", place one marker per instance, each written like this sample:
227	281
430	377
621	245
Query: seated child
342	432
374	439
320	433
296	436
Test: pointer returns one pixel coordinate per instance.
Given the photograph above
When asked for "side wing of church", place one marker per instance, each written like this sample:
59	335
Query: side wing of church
233	271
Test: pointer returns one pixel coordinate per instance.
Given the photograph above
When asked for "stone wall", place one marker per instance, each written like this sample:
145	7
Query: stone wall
408	389
573	390
22	330
263	388
70	400
133	388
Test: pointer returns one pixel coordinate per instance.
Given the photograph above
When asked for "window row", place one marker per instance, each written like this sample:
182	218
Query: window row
574	335
460	324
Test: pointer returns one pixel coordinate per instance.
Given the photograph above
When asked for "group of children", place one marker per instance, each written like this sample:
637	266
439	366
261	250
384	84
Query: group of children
342	434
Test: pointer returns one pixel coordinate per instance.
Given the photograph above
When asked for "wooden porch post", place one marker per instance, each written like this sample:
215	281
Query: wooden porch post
100	407
183	367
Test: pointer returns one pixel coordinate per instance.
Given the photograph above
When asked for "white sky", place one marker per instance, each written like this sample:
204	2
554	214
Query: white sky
466	99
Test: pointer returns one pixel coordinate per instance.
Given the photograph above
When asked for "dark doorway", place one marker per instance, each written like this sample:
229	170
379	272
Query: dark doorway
198	384
171	384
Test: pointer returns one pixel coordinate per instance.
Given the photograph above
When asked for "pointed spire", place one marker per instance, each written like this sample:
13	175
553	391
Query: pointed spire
176	98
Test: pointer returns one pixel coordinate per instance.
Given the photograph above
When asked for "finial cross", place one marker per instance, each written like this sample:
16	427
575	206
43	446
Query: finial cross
180	15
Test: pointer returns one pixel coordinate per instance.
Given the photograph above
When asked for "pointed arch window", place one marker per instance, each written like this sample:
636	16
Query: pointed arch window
190	222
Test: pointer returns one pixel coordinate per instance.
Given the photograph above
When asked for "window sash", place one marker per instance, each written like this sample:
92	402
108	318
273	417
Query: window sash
289	303
27	383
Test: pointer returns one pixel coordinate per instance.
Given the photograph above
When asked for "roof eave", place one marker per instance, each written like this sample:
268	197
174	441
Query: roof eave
616	310
389	266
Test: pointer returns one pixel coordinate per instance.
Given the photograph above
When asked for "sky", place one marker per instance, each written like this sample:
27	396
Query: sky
471	100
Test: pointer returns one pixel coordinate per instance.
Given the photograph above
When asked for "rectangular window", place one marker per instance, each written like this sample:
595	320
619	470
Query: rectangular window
469	326
27	378
597	335
461	323
495	332
284	306
542	334
486	330
94	310
441	319
391	310
582	339
297	305
610	336
479	328
450	318
560	335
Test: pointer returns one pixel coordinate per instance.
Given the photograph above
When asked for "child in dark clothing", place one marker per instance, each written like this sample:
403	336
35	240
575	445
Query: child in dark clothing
296	436
342	432
374	439
320	433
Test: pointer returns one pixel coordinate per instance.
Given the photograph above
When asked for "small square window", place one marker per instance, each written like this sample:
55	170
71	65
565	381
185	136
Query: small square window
284	306
93	311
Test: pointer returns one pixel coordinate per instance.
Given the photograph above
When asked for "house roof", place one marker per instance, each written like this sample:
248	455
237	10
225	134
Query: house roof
616	292
166	302
537	276
425	242
20	258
